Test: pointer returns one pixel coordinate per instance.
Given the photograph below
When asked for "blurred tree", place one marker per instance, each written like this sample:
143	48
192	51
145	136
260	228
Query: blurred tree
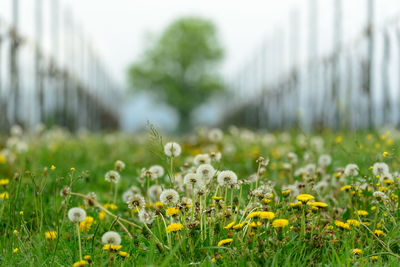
180	66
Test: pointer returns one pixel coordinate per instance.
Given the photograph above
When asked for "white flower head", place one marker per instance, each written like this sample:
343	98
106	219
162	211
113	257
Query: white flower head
324	160
119	165
192	179
134	189
201	159
172	149
169	197
206	172
112	177
216	156
157	171
292	158
215	135
76	215
146	217
227	178
351	170
380	168
136	201
111	238
154	192
127	195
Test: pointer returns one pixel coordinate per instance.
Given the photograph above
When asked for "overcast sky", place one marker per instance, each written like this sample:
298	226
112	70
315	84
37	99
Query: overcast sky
118	27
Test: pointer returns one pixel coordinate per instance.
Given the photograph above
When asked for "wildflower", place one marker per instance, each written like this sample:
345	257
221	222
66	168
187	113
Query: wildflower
172	149
217	198
127	195
380	168
295	205
112	177
362	213
4	195
154	192
253	214
345	188
80	263
238	226
86	224
205	171
136	202
353	222
65	191
172	211
15	232
110	206
379	195
226	178
50	235
286	192
342	225
215	135
351	170
52	167
15	250
229	225
119	165
356	251
224	242
90	200
21	213
324	160
254	224
111	238
4	182
192	180
201	159
146	217
317	204
266	215
373	258
385	154
305	197
157	171
88	258
76	215
2	159
102	215
174	227
169	196
111	247
72	169
280	223
379	233
124	254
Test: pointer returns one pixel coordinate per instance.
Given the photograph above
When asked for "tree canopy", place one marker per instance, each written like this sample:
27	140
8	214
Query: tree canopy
180	67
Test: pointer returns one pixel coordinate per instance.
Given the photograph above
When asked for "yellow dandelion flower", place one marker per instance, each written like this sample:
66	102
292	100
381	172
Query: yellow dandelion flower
159	204
217	198
110	247
224	242
4	195
86	224
124	254
338	139
385	154
286	192
230	225
174	227
102	215
15	232
266	215
15	250
342	225
4	182
21	212
253	214
305	197
345	188
379	233
353	222
50	235
295	205
317	204
373	258
213	260
52	167
356	251
2	159
88	257
238	226
110	206
266	200
279	223
362	213
172	211
72	169
80	263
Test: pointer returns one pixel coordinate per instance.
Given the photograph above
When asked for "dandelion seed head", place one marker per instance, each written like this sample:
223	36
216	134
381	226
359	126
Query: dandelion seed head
227	178
157	171
111	238
112	177
172	149
136	201
169	197
201	159
76	215
351	170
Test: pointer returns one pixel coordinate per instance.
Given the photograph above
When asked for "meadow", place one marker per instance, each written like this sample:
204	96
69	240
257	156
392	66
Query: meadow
212	198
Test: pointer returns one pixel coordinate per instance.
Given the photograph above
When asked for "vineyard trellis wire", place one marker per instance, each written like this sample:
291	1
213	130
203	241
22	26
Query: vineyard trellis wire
357	86
66	85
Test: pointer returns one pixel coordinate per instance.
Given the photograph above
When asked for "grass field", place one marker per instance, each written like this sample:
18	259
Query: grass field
238	198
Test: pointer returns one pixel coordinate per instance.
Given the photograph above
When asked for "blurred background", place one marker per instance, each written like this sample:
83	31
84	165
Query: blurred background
276	65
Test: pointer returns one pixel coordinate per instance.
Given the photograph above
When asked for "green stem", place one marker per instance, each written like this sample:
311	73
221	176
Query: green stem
79	241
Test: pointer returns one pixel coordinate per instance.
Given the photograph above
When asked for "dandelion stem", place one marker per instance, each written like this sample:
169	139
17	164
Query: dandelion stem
79	240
